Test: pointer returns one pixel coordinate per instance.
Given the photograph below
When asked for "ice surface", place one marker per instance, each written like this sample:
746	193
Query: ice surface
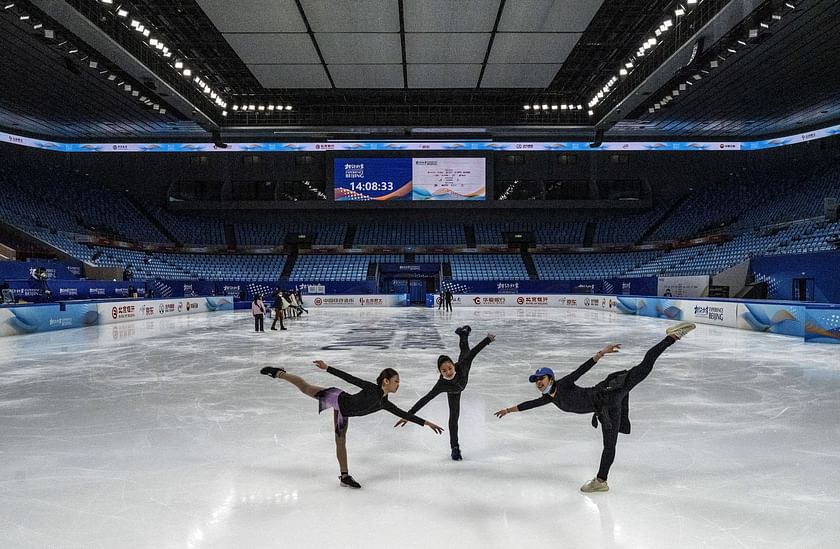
163	434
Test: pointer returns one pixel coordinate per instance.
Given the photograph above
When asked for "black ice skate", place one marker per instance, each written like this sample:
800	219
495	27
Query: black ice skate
348	482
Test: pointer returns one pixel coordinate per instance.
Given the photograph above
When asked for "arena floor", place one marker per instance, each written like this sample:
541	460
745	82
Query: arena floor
163	435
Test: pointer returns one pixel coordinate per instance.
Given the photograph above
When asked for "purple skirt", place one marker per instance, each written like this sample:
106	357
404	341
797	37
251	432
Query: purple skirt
328	398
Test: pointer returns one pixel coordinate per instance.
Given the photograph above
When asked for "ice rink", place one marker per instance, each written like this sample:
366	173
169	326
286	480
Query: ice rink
162	434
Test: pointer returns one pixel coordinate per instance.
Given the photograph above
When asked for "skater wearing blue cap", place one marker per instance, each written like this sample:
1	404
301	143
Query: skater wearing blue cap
608	400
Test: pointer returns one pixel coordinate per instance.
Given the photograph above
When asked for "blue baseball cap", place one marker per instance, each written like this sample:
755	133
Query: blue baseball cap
541	372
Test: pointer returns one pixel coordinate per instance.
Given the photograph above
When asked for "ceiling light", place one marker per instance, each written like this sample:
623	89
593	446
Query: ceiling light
536	107
235	107
134	23
764	25
24	17
73	50
9	6
753	33
622	72
690	2
251	107
668	23
112	77
109	2
179	64
224	113
38	26
140	28
288	107
187	72
146	33
713	63
545	107
93	64
153	41
135	93
526	107
261	108
271	107
590	113
679	12
122	13
657	32
162	111
788	4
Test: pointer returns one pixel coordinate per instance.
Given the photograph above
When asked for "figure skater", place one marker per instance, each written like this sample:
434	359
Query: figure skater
608	400
452	381
372	398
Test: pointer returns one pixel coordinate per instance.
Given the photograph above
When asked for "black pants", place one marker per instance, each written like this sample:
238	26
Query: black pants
258	323
634	376
465	359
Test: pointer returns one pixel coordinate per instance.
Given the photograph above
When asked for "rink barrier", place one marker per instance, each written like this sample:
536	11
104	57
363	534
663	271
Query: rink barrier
814	322
351	301
33	318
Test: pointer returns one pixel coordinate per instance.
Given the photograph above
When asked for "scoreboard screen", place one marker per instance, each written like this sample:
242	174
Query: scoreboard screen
418	179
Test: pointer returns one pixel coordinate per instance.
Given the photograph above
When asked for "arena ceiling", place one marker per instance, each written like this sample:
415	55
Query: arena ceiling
93	70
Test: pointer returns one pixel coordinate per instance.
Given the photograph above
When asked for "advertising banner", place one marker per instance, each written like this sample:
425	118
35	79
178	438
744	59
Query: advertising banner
26	319
355	301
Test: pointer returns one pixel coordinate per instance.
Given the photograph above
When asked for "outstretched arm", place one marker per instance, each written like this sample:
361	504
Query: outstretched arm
343	375
436	390
586	366
527	405
391	407
481	345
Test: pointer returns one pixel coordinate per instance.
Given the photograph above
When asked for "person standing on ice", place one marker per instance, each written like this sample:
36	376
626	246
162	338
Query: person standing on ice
452	381
372	398
608	400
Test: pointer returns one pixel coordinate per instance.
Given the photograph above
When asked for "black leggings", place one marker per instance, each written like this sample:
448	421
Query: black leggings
464	362
258	323
634	376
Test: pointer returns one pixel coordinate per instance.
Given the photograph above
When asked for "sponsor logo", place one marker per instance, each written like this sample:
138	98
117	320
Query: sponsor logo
122	312
477	300
532	301
68	291
61	322
317	301
97	291
709	312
